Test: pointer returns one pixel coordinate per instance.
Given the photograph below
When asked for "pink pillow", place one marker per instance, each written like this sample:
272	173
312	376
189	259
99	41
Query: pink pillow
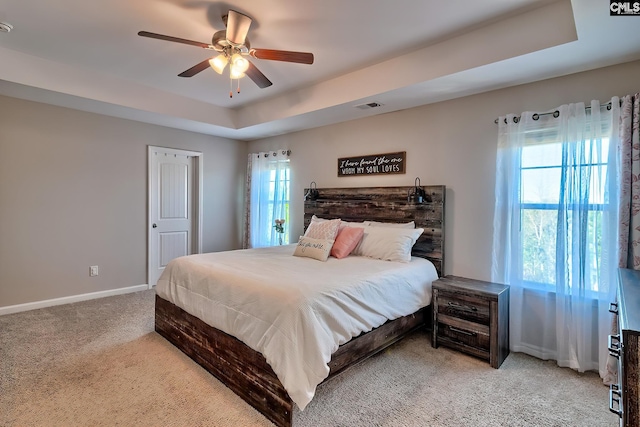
346	241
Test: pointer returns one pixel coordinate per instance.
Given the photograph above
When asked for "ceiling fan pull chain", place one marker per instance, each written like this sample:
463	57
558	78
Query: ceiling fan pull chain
230	87
238	85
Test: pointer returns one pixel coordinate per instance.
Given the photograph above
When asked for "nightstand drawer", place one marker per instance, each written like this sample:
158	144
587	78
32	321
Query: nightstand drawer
464	332
465	307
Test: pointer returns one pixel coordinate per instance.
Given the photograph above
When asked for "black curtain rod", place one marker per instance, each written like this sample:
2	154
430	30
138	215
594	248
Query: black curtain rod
275	153
555	113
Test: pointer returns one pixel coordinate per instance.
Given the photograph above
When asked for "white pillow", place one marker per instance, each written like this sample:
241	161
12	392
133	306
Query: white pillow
313	248
389	244
411	224
327	229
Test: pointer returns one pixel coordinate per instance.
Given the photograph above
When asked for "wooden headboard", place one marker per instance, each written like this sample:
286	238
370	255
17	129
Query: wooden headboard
387	204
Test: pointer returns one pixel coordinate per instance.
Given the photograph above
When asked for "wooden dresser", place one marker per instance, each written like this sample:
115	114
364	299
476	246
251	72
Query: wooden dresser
624	396
472	316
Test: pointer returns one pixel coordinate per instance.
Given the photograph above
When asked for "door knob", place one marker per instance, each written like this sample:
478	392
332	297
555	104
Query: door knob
155	225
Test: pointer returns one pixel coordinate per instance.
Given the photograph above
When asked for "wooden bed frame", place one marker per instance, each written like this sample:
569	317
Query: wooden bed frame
246	371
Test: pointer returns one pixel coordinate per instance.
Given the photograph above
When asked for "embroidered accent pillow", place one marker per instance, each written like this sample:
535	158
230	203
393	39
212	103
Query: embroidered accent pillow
326	230
346	241
342	223
313	248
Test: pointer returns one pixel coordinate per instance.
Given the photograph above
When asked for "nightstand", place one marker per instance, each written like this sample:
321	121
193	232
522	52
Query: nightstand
471	316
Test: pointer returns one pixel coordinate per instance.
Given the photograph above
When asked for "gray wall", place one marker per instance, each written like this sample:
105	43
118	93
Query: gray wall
451	143
73	184
73	193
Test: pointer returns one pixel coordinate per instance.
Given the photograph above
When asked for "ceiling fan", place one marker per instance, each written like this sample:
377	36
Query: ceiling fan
234	47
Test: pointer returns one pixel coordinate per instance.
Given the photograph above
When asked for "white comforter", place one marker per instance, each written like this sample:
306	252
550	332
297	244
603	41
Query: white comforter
295	311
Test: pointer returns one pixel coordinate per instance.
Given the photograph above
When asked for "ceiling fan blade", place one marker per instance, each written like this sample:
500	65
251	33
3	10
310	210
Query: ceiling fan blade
256	75
237	27
195	69
282	55
173	39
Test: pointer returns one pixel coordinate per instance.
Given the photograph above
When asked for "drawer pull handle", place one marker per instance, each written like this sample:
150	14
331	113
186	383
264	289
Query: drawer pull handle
614	389
461	331
462	307
613	307
614	346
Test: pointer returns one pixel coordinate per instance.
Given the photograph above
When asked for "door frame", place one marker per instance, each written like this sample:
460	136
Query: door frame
196	197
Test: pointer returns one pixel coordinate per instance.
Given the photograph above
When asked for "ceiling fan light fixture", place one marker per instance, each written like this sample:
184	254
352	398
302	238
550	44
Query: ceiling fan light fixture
219	62
239	63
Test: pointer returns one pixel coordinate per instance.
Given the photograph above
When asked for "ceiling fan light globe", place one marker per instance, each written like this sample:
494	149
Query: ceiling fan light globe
240	63
218	63
236	73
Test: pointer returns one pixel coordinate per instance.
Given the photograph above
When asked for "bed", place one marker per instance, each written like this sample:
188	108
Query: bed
248	367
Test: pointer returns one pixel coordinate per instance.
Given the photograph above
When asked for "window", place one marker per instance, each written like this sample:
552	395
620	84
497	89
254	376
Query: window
549	171
270	197
278	199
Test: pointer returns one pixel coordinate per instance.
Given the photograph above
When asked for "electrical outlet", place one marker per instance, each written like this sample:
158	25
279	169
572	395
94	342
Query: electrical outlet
93	270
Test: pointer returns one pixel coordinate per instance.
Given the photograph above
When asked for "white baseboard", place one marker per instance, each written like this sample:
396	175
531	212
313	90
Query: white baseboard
10	309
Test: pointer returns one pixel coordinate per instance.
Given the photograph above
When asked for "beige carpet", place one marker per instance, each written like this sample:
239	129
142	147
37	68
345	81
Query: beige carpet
99	363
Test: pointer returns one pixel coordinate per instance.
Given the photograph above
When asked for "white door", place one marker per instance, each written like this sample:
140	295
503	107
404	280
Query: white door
174	207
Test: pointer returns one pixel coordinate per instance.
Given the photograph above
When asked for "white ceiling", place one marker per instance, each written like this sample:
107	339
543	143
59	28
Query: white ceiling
402	53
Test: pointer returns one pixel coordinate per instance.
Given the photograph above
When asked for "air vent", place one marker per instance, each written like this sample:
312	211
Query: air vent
369	105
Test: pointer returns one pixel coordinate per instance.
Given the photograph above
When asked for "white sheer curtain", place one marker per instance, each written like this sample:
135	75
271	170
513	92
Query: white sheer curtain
269	197
555	231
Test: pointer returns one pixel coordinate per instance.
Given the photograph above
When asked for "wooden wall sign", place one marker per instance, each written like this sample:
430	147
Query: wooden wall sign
375	164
